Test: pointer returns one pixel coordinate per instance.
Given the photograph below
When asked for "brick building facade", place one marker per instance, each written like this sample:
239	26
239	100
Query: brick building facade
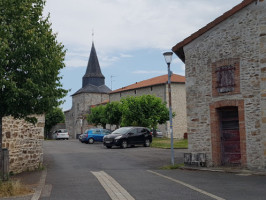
225	85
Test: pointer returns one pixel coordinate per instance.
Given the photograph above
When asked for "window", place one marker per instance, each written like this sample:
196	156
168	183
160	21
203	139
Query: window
225	78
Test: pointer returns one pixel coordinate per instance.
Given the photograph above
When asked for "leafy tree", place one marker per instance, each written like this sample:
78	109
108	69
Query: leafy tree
113	113
53	117
97	116
146	110
30	61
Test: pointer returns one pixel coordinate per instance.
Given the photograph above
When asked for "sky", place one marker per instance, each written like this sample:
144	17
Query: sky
130	36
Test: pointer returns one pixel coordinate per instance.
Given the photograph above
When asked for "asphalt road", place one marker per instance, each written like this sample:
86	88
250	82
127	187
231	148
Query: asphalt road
77	171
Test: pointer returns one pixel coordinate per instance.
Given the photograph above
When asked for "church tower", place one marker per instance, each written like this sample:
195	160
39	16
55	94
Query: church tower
93	91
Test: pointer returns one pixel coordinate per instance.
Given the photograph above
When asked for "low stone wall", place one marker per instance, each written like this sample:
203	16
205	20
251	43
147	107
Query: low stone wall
24	142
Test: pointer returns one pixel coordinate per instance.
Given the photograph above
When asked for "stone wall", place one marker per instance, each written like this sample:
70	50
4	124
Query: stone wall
178	104
262	63
24	142
241	36
76	117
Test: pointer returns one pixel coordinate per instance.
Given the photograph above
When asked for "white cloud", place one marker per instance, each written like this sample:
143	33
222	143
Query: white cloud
127	24
125	55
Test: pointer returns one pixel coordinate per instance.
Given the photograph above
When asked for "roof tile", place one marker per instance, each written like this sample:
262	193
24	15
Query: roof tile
151	82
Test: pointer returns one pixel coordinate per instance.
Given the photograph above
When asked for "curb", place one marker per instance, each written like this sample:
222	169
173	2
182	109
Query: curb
227	170
41	184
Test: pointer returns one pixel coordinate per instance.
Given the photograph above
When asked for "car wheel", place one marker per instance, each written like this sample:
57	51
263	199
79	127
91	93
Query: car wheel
124	144
108	147
147	143
91	141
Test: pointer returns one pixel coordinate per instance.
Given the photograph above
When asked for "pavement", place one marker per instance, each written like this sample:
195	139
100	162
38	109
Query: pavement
36	179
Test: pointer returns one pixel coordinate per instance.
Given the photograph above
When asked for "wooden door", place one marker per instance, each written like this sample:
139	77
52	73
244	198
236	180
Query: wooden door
230	137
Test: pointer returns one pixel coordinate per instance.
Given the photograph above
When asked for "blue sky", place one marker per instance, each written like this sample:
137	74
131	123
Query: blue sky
129	35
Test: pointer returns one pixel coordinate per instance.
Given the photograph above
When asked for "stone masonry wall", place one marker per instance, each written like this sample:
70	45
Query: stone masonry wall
80	107
262	63
241	36
24	142
178	104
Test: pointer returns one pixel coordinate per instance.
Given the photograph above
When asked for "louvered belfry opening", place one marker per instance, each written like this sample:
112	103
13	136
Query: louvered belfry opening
230	136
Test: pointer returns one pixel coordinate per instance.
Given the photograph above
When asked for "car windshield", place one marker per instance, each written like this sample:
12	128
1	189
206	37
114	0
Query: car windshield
122	131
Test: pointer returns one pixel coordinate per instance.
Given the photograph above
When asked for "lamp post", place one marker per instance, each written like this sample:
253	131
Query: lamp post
168	59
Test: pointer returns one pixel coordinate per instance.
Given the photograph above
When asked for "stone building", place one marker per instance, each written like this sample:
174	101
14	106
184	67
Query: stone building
24	142
226	87
93	91
158	86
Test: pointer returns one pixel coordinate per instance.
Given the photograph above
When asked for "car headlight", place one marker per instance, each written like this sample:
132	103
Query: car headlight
118	137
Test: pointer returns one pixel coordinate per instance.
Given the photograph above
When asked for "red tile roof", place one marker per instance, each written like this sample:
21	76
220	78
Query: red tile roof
178	48
151	82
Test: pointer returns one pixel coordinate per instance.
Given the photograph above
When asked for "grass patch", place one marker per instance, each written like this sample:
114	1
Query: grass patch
13	188
176	166
165	143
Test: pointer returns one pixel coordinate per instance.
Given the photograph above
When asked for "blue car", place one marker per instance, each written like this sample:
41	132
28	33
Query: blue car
94	134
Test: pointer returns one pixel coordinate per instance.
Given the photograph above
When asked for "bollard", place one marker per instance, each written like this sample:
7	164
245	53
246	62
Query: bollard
5	165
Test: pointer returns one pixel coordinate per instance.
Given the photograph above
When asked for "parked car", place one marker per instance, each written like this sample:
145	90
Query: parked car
128	136
94	134
158	133
60	134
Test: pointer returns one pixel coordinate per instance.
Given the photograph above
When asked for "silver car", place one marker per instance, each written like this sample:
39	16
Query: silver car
60	134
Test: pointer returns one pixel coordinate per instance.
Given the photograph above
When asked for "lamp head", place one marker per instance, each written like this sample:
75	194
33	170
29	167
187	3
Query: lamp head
168	57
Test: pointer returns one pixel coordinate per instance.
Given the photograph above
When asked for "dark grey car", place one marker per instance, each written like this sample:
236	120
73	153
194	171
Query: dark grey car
128	136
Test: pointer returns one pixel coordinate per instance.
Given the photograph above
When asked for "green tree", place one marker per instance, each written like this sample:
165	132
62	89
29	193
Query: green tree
146	110
30	61
97	116
113	113
53	117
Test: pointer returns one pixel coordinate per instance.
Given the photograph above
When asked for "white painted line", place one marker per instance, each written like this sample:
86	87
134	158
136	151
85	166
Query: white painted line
112	187
41	184
187	185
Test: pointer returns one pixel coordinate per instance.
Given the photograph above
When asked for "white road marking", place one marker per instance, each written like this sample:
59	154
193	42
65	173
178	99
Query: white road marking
187	185
113	188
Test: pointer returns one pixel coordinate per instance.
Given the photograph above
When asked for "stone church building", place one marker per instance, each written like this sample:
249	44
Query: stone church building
93	91
226	87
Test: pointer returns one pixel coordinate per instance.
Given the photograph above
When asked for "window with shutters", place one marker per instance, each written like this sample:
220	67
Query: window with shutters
225	77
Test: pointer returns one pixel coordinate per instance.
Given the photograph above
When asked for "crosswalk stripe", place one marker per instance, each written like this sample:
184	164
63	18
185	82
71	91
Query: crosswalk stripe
112	187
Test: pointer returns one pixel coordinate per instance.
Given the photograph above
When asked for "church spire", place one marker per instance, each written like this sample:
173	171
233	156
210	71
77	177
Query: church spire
93	73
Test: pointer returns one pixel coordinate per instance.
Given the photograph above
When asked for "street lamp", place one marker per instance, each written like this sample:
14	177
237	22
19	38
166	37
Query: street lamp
168	59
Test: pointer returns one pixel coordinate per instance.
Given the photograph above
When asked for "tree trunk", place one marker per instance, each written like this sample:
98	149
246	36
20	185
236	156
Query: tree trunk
1	153
1	122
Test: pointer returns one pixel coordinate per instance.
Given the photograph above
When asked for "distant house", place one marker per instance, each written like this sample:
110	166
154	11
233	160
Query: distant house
226	87
158	86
